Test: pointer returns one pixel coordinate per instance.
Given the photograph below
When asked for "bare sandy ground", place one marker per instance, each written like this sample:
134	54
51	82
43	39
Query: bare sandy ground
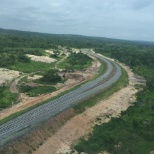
49	51
34	77
75	50
7	75
82	124
44	59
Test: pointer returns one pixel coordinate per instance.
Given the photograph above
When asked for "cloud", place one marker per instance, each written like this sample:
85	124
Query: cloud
142	4
129	19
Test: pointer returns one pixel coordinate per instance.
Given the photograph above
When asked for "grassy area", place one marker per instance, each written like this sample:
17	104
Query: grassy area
62	64
57	57
7	98
23	79
122	82
36	91
75	61
32	66
12	116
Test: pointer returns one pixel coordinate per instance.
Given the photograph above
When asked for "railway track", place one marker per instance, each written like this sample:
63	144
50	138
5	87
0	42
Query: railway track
31	119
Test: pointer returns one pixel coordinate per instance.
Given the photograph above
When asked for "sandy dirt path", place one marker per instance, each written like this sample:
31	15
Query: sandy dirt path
82	124
13	86
56	65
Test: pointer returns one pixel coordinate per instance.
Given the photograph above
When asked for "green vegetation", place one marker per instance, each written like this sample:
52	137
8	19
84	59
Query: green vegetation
122	82
20	39
16	59
6	60
36	91
23	79
57	57
133	132
7	98
33	66
22	51
139	58
76	61
51	77
30	67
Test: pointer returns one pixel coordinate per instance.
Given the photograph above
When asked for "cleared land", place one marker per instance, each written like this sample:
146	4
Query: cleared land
44	59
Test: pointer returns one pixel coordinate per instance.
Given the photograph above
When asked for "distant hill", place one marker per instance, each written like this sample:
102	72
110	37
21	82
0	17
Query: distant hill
15	38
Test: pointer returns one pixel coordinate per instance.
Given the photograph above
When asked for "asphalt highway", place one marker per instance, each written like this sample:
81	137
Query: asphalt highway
22	124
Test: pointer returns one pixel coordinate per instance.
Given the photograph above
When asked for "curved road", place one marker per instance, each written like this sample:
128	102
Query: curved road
31	119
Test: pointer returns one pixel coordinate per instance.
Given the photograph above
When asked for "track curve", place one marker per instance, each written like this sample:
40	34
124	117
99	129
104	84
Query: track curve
29	120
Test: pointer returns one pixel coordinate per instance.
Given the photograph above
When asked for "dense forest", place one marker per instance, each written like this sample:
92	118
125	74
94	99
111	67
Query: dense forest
17	39
133	132
139	58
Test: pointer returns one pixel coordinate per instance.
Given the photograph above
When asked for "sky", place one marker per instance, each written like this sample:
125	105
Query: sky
121	19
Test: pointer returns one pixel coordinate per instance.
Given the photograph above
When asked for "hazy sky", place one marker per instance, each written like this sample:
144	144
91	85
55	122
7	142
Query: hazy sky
124	19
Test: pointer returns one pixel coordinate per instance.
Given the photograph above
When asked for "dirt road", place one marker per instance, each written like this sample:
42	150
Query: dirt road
13	86
56	65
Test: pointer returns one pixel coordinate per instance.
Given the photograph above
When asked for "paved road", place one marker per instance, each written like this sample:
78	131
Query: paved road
31	119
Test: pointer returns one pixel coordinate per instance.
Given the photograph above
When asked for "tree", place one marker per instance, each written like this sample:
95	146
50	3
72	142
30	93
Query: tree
51	76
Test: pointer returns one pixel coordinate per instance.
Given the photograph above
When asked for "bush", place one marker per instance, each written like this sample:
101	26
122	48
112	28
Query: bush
6	97
51	77
35	91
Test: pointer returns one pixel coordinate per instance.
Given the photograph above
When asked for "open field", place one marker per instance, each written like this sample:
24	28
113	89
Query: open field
32	66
